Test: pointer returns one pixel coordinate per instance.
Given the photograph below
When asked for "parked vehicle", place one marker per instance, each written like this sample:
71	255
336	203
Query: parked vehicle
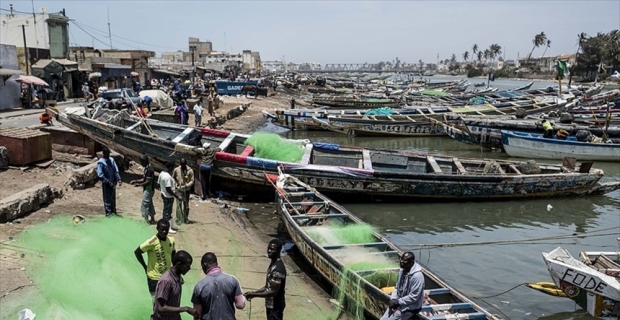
121	98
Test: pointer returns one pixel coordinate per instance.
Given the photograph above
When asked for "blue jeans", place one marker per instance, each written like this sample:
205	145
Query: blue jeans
168	203
109	199
147	209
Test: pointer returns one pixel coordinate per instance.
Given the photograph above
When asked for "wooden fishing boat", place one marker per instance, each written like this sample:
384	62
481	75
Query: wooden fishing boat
347	171
532	145
357	103
592	289
413	125
525	87
480	84
308	214
486	131
301	119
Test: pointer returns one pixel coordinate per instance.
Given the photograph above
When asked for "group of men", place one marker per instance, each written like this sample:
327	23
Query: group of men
215	296
175	183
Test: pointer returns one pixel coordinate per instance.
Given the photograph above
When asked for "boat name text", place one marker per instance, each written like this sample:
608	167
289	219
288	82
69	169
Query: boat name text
577	278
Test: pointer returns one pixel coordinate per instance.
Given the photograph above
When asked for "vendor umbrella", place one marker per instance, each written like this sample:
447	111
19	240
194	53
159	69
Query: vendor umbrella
134	74
32	80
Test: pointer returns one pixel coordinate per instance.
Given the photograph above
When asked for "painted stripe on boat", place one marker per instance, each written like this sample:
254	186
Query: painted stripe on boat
434	292
183	135
446	307
460	316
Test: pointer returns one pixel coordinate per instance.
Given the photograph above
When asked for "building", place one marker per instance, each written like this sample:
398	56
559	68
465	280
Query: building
100	60
47	35
251	60
10	90
200	49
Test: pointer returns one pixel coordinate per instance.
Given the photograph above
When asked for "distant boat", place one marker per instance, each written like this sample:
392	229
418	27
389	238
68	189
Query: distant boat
525	87
534	146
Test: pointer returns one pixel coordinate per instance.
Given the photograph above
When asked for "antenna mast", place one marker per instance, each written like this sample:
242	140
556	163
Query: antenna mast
109	30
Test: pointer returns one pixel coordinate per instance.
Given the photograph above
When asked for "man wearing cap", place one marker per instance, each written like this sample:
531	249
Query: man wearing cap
148	190
207	155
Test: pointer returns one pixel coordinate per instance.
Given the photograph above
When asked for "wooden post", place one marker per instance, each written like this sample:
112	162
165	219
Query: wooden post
560	83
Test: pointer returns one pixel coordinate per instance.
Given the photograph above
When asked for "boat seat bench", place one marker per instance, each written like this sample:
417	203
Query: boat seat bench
305	203
363	245
248	151
468	316
446	307
318	216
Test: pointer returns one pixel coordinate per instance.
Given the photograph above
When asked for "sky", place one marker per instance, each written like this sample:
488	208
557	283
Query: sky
335	31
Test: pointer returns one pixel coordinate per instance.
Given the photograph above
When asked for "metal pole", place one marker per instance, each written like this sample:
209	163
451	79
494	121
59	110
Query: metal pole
109	30
193	68
27	61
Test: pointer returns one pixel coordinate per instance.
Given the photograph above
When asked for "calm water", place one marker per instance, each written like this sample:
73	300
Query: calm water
490	269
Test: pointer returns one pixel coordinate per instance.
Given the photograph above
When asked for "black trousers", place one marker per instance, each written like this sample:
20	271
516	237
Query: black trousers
205	180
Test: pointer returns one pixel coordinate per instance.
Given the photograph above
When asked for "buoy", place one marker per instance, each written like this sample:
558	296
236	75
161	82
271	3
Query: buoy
547	287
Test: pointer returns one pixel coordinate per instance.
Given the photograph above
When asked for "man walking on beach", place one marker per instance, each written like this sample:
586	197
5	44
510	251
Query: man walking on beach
198	113
215	294
159	249
167	305
275	285
148	190
107	171
184	180
408	295
168	192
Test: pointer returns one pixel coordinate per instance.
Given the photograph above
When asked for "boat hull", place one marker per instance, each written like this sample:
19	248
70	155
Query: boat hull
593	291
368	182
535	146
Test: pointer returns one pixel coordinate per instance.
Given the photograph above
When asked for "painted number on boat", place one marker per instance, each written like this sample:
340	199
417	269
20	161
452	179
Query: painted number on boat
424	128
584	281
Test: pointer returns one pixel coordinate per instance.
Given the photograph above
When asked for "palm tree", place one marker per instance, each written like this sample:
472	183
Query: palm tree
539	40
487	55
453	58
466	56
474	49
479	54
546	47
495	51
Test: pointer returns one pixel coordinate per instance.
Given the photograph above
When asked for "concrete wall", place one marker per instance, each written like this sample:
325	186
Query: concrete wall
37	35
9	88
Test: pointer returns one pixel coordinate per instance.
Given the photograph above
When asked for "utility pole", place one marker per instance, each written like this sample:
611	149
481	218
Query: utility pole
109	30
27	59
193	49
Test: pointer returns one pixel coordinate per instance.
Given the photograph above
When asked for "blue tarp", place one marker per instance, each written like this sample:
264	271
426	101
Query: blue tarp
328	146
232	87
263	163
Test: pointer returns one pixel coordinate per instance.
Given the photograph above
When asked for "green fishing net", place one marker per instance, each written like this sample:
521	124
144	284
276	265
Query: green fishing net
272	146
89	271
335	235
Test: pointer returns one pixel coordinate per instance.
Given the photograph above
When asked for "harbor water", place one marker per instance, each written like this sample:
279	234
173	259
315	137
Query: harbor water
488	269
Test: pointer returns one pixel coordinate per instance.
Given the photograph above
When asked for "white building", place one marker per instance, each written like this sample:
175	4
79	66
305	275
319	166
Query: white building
47	34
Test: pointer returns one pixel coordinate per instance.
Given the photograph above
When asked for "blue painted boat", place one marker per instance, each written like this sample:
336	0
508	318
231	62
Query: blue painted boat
313	221
532	145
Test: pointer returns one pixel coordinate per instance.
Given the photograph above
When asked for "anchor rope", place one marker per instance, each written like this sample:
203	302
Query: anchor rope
565	236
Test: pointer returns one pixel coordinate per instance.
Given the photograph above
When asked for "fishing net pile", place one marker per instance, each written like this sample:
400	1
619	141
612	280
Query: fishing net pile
271	146
385	111
88	270
379	270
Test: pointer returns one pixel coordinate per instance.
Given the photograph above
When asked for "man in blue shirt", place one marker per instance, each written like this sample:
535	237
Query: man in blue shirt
147	101
108	173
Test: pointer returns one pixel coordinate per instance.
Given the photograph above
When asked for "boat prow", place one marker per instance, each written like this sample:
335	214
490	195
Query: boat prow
593	290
